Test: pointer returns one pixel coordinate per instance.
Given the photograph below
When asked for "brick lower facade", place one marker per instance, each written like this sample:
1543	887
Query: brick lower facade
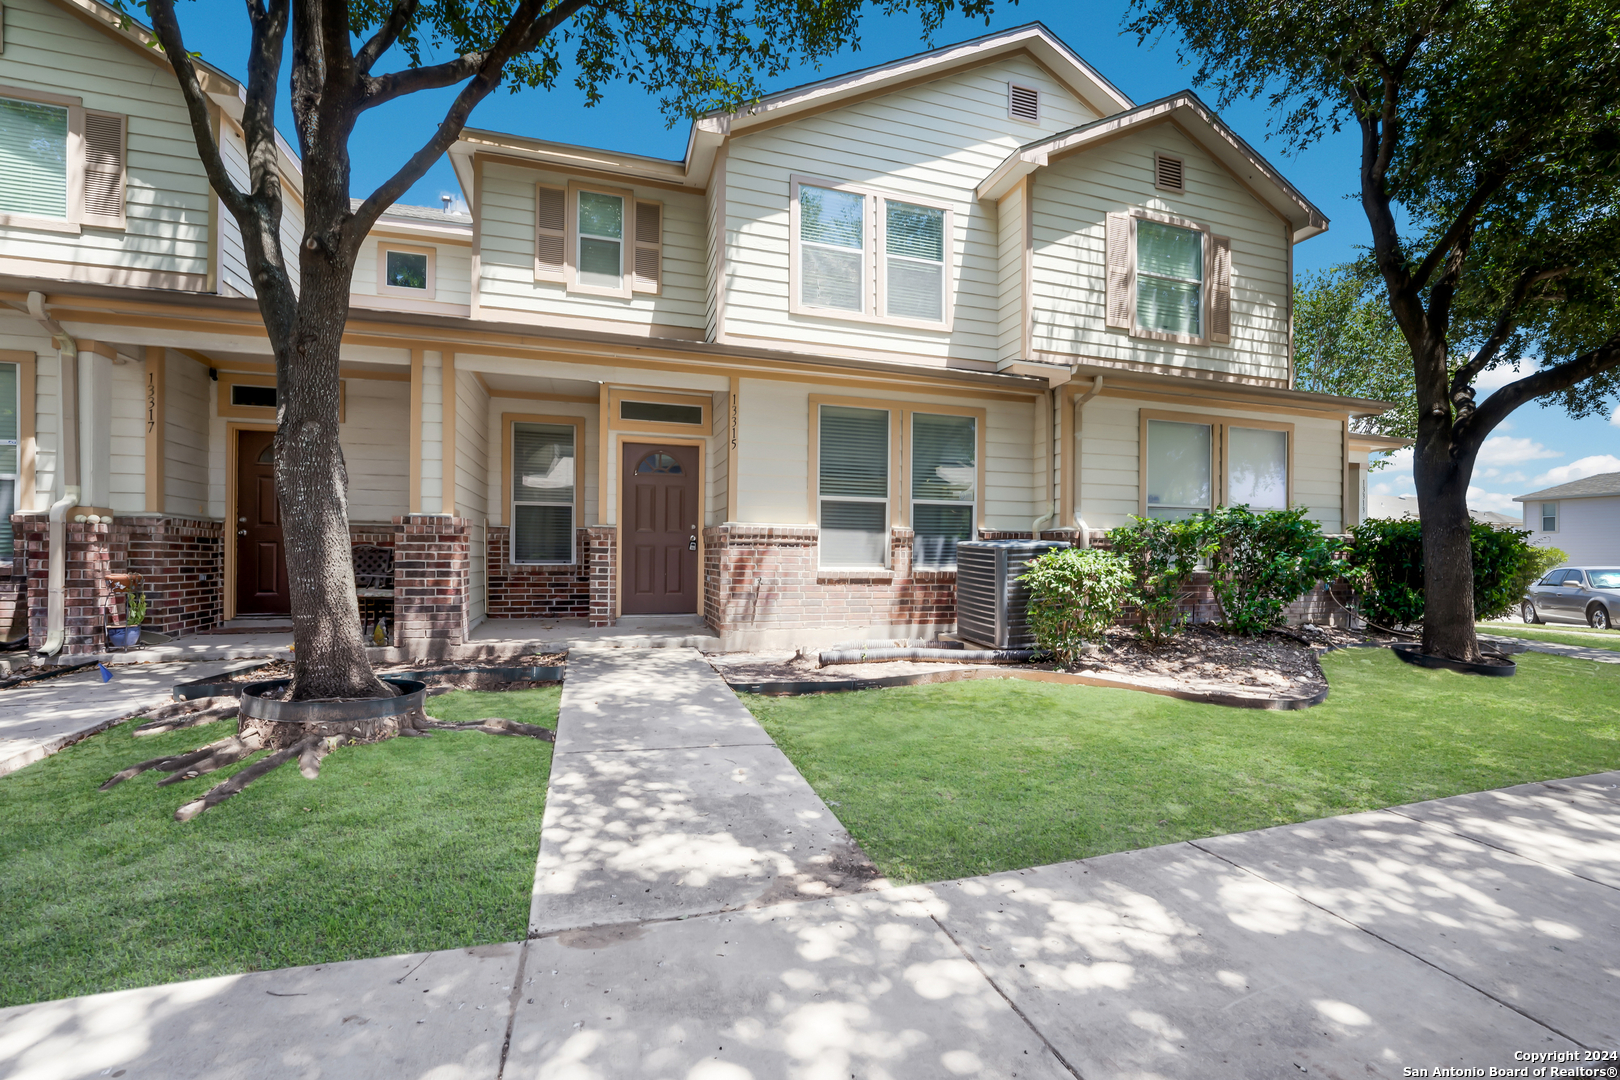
181	562
600	552
432	580
528	591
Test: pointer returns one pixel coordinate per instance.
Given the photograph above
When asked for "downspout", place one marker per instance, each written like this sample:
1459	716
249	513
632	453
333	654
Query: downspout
1079	408
56	581
1046	473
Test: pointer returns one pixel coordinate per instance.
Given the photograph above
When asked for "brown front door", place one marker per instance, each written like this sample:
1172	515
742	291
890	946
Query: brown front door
661	518
261	558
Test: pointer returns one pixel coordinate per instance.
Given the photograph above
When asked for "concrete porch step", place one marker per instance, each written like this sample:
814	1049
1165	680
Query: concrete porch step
274	624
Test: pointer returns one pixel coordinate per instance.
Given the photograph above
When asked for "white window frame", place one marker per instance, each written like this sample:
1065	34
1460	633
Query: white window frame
1206	240
978	418
1555	516
384	289
892	466
73	221
874	281
626	240
513	502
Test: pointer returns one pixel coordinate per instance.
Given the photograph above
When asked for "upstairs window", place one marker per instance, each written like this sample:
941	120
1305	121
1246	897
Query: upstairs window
1549	517
33	159
863	255
543	479
59	162
405	271
1169	279
944	487
600	256
853	487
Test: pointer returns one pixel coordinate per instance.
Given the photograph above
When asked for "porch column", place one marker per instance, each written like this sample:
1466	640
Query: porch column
432	581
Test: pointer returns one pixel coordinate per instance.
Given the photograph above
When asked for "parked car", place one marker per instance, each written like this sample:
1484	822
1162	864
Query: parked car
1586	594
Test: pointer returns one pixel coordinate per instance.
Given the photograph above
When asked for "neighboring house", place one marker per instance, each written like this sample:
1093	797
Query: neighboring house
1406	506
1580	518
973	293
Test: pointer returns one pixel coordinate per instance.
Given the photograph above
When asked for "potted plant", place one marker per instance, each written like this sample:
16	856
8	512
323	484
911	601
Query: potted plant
129	635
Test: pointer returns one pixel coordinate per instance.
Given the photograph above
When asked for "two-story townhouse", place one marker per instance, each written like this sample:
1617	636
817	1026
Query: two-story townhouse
973	293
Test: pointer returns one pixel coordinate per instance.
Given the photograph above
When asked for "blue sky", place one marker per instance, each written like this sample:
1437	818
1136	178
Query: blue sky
1537	448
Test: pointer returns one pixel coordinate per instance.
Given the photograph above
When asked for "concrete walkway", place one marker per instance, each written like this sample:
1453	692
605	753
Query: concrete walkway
38	719
668	800
1577	652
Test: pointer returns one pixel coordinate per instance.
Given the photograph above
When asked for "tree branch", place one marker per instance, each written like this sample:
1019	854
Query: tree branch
385	37
1461	224
167	28
1506	320
385	88
1471	432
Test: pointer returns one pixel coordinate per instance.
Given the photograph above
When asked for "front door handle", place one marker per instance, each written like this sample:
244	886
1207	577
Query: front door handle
241	532
691	544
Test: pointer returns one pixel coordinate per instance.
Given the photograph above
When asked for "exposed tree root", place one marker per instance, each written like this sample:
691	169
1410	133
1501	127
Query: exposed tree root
220	792
167	763
187	714
495	725
229	752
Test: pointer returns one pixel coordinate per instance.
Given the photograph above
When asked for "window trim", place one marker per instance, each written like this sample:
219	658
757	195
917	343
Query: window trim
73	222
509	504
227	379
1557	516
1219	451
892	500
432	253
626	241
979	441
1204	289
23	488
874	286
617	394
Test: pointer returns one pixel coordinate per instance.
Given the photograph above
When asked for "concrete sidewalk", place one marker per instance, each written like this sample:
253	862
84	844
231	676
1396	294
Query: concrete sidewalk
667	799
38	719
1575	652
1456	933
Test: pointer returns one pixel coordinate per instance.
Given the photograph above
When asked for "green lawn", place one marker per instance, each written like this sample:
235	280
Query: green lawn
965	778
1583	636
399	846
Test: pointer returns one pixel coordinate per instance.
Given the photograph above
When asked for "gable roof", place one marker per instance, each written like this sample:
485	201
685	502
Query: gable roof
1199	122
1590	487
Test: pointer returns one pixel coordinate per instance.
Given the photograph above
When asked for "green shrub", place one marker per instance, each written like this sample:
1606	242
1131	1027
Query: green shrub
1163	556
1384	563
1074	595
1259	563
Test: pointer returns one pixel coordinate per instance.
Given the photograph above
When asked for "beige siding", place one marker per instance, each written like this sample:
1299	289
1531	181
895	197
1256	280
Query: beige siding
1071	202
432	491
127	462
51	50
1010	229
508	287
1110	459
472	484
719	459
185	467
233	271
452	276
376	447
934	142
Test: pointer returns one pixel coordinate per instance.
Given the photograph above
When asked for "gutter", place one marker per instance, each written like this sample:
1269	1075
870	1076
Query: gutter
67	351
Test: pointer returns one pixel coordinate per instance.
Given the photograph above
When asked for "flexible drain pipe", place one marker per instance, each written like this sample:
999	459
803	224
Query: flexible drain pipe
56	595
1079	409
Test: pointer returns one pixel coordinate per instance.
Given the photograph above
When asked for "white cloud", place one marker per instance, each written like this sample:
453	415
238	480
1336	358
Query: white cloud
1615	419
1510	450
1382	489
1497	377
1480	499
1577	470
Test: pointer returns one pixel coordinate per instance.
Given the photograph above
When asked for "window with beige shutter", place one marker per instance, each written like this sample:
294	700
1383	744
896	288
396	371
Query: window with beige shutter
550	232
1167	278
649	254
1220	289
1120	260
104	168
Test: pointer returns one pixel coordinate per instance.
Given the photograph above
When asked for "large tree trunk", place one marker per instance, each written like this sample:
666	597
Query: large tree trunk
1448	560
312	485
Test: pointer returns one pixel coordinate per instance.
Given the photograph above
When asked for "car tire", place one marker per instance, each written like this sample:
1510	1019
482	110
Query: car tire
1597	617
1527	612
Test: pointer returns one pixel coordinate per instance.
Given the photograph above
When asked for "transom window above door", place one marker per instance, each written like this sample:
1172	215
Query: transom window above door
865	255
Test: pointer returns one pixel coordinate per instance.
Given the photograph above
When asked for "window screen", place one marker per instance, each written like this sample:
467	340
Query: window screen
832	231
1169	278
1549	517
944	486
8	456
542	493
914	256
407	270
1178	472
1257	468
601	240
854	486
33	158
661	412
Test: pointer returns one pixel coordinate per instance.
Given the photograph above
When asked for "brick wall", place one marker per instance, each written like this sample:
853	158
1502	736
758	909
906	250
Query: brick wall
432	579
600	548
89	559
537	592
13	597
181	563
377	534
764	577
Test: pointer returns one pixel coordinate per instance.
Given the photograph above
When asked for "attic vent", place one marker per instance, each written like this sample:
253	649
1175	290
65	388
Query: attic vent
1167	173
1023	103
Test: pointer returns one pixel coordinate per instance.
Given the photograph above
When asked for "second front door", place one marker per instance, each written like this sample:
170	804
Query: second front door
661	517
261	559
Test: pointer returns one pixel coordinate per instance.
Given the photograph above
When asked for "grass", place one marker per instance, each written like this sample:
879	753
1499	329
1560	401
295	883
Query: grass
956	779
1584	636
399	846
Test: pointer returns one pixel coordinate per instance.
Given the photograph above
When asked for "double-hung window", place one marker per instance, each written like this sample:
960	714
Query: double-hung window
1549	517
1169	279
600	256
864	255
944	486
1179	477
9	450
33	159
543	479
853	486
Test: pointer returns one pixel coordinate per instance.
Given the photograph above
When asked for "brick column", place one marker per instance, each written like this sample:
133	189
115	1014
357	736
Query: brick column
89	559
601	550
182	565
432	580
